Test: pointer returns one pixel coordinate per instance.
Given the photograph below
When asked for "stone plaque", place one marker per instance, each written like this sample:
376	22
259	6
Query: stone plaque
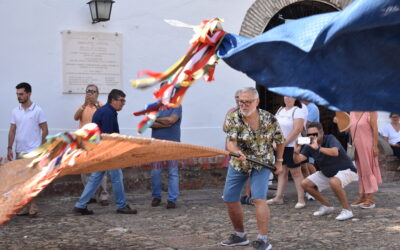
91	58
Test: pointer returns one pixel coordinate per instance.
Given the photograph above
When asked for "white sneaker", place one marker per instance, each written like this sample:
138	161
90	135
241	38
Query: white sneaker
345	214
323	210
309	197
299	205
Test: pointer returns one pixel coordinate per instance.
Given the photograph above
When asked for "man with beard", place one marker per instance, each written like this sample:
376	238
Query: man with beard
251	133
29	129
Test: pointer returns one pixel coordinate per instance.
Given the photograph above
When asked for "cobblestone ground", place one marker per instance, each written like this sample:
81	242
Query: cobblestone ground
200	222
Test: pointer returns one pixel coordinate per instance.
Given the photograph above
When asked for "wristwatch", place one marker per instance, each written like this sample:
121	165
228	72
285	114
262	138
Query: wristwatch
279	160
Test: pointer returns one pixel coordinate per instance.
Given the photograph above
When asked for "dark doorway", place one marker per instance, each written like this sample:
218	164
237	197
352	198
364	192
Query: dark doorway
271	101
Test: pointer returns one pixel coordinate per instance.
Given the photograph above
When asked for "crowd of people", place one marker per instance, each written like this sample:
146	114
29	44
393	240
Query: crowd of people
292	140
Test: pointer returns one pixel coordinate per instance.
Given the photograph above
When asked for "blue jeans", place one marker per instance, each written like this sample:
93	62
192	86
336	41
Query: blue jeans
173	179
235	181
94	183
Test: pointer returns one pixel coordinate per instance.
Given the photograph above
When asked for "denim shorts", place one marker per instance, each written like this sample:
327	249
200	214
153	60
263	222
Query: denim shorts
235	182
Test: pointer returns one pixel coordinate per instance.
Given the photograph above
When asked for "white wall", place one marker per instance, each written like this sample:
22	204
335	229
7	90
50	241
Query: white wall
30	49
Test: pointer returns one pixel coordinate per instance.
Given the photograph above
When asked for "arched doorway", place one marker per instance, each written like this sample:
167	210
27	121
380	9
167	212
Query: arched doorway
264	15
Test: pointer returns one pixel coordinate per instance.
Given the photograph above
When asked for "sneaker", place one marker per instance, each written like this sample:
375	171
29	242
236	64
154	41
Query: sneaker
299	205
323	210
309	197
170	205
235	240
155	202
368	204
246	200
261	245
82	211
274	202
345	214
126	210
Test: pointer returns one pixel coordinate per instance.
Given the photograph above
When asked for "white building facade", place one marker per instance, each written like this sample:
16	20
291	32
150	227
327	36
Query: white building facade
31	51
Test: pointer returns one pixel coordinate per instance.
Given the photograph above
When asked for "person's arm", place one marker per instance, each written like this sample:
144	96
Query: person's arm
45	131
297	128
374	126
165	122
11	137
331	151
231	146
79	112
297	156
279	155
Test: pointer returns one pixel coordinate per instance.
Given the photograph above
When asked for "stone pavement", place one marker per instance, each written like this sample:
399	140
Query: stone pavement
200	222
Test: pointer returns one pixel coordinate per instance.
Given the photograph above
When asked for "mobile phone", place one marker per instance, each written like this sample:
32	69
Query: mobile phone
303	140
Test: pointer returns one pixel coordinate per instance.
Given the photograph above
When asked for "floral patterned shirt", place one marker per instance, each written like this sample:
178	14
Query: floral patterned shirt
255	144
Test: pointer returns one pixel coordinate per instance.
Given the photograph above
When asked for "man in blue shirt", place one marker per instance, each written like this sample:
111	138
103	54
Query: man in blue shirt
336	169
167	126
106	118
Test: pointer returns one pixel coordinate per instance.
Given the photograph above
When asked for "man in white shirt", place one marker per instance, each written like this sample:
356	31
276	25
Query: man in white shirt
28	129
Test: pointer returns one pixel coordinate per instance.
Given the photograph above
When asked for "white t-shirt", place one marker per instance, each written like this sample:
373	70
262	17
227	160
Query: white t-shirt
28	135
286	120
389	132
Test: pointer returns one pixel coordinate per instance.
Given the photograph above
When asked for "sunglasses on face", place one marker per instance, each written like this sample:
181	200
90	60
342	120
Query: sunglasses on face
91	91
245	102
312	134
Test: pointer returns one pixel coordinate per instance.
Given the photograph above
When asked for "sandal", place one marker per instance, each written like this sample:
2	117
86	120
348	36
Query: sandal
369	203
359	202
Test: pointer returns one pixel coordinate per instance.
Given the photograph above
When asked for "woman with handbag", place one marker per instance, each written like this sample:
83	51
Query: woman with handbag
364	132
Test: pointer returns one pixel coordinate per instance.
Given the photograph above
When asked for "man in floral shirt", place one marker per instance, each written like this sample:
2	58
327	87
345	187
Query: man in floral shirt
251	133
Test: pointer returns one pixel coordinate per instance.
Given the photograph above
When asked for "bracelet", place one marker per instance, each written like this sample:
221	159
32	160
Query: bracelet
297	153
279	160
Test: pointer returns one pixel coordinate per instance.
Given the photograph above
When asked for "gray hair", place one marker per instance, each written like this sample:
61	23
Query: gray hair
249	89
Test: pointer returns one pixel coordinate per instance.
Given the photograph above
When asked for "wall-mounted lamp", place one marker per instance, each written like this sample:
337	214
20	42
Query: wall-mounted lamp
100	10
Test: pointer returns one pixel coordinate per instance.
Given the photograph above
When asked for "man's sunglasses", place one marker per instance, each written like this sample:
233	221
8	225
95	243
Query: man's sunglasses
312	134
91	91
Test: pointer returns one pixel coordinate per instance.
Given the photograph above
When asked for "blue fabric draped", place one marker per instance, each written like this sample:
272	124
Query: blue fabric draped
346	60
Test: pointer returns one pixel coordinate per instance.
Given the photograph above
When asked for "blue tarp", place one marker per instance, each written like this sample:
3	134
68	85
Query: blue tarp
346	60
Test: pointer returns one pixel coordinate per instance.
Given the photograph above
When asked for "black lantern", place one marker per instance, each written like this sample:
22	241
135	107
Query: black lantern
100	10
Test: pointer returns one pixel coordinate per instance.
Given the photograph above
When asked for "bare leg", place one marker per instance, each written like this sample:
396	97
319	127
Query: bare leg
262	214
298	178
248	189
304	170
235	212
282	182
311	168
311	188
337	188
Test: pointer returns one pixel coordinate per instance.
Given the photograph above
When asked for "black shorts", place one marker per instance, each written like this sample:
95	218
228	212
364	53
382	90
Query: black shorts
288	158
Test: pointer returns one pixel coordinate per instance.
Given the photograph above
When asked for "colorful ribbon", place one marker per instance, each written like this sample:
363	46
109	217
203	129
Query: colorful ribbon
199	61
